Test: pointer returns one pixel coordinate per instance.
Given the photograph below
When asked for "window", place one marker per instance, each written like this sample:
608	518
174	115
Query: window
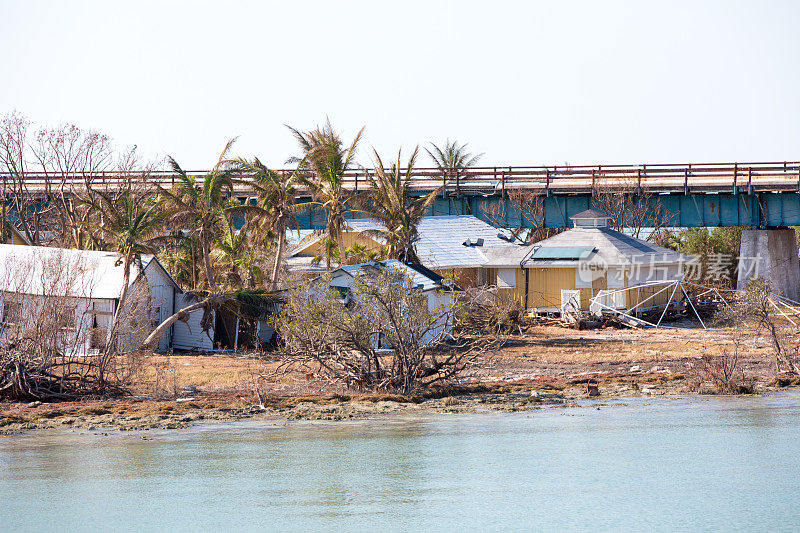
11	311
343	291
506	278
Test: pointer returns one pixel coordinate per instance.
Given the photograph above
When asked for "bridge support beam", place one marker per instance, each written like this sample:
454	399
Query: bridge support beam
770	254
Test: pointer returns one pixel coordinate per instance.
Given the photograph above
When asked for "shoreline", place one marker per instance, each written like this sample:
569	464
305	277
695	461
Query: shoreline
135	414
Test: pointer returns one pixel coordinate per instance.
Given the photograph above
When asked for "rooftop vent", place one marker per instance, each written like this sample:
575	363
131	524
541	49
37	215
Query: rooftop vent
476	242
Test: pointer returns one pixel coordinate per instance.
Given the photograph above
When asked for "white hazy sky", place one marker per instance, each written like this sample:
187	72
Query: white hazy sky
525	82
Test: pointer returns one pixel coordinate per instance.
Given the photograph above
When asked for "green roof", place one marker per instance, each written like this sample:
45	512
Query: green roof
552	253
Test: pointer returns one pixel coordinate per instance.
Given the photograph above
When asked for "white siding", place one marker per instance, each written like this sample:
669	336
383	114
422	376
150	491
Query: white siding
616	277
75	342
651	273
163	294
189	335
435	300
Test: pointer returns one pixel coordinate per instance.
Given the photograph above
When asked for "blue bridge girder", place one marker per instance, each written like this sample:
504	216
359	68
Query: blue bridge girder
757	210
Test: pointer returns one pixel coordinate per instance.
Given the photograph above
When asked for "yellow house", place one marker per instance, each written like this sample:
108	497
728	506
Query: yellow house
14	236
580	263
453	246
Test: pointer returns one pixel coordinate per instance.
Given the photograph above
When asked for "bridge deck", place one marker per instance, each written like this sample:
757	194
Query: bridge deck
557	180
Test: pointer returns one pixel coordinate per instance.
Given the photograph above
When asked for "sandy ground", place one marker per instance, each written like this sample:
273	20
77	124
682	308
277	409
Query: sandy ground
547	366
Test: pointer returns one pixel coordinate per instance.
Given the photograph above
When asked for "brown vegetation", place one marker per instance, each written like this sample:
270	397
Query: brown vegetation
381	335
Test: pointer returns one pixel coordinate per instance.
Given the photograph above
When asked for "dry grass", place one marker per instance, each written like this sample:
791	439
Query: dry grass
544	352
549	344
209	373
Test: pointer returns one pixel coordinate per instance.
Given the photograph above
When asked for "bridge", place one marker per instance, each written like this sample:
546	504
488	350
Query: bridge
756	194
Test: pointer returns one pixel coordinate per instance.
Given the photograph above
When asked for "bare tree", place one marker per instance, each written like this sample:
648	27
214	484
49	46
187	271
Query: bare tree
71	159
630	208
382	336
50	175
726	371
29	206
757	305
521	212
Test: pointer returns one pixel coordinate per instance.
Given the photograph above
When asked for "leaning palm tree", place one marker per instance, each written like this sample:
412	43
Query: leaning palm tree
396	208
131	224
328	161
202	204
275	209
451	158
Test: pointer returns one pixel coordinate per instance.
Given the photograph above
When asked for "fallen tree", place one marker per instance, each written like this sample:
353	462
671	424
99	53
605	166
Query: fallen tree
245	303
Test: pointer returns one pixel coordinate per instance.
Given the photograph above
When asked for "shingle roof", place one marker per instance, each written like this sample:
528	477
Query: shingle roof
589	213
419	276
85	273
442	237
508	256
613	247
305	263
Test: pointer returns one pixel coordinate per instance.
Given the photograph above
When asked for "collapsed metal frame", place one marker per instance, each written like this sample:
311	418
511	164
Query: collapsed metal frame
775	300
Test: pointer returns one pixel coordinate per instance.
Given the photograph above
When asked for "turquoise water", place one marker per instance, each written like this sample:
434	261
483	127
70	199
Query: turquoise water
713	464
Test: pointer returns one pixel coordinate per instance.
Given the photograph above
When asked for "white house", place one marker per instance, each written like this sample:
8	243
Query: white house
91	284
440	295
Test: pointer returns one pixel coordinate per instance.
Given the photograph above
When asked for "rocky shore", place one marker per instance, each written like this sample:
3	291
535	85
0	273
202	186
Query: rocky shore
137	414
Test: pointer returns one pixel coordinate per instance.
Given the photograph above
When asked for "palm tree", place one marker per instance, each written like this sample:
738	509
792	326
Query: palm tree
275	206
131	224
202	205
328	162
452	159
182	259
396	208
233	254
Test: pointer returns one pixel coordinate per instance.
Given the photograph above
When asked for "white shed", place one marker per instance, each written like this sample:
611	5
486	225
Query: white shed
92	283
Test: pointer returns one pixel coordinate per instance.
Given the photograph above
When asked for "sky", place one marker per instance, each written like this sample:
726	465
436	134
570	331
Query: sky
525	83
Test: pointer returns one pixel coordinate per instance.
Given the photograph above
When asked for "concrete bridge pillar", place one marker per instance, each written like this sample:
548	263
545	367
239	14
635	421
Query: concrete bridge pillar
770	254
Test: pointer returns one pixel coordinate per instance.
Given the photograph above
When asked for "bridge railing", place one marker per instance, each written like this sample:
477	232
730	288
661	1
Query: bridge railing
709	177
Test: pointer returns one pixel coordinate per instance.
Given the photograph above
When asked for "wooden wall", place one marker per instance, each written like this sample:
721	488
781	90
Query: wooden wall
545	285
466	278
349	238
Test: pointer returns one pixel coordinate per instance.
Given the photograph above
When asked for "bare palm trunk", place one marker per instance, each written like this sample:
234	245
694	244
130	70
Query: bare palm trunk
340	241
328	248
126	277
279	252
207	259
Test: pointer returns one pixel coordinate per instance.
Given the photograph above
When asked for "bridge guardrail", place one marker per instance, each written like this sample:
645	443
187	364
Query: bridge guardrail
710	177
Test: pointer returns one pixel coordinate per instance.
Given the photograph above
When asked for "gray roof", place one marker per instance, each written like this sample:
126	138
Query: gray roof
508	256
418	277
589	213
613	248
441	242
304	263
